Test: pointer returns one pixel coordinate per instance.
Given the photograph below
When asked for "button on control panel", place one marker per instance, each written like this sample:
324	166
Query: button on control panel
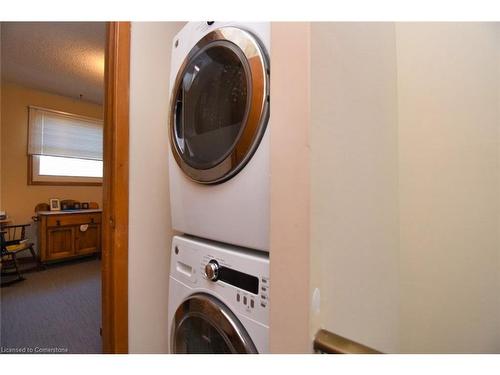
247	300
264	291
250	301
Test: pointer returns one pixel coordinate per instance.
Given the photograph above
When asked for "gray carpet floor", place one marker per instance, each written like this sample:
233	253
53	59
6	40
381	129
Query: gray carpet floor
55	310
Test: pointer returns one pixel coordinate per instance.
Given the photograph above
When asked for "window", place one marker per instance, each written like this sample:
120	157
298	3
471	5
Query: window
64	148
57	166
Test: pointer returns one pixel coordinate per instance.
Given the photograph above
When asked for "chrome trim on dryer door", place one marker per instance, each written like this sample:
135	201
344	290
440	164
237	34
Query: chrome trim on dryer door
256	65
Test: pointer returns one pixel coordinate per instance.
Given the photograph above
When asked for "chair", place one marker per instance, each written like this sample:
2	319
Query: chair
13	242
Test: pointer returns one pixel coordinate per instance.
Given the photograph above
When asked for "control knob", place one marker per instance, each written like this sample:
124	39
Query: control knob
212	270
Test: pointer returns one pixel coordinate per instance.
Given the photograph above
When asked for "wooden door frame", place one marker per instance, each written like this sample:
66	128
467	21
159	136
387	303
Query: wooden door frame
115	189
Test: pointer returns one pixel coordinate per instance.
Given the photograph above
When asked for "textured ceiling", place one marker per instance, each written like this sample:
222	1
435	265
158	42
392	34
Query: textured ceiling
65	58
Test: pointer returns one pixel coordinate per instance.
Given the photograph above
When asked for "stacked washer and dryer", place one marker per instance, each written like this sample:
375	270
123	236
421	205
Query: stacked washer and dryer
219	188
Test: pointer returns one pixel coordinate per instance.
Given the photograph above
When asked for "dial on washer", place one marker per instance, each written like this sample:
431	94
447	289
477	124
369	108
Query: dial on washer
212	270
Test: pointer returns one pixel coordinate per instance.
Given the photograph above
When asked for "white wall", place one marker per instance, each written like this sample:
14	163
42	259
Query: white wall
149	211
354	181
449	123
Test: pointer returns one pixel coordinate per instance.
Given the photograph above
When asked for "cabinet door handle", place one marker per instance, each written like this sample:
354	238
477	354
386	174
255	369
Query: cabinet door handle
58	222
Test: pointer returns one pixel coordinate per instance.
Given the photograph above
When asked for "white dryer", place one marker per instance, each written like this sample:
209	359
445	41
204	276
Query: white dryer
218	298
219	132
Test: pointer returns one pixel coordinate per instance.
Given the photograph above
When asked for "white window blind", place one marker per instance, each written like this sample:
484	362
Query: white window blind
53	133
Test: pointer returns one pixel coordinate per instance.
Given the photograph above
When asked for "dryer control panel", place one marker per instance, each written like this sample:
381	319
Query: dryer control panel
237	276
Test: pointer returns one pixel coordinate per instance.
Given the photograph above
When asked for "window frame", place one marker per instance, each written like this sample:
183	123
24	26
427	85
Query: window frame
34	177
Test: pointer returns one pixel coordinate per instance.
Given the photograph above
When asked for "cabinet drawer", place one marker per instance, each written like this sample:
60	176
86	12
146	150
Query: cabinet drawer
73	219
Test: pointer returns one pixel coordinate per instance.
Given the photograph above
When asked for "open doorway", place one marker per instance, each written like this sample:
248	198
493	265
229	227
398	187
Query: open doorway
59	107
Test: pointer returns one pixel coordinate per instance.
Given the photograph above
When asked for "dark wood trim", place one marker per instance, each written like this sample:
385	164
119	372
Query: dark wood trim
54	183
115	190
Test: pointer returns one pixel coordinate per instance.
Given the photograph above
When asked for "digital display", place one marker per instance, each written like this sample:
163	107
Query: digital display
239	279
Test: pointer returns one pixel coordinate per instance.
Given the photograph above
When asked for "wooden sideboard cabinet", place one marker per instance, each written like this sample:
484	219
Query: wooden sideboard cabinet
67	234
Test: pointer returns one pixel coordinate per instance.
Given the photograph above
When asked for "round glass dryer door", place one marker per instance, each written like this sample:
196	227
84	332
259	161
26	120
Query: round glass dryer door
220	105
204	325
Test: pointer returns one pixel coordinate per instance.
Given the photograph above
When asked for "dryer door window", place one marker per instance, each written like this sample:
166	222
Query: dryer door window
204	325
219	105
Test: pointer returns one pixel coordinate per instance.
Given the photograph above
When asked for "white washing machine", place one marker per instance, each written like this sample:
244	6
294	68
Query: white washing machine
219	132
218	298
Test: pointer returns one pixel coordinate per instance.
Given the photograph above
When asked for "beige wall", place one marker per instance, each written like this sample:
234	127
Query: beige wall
18	198
290	189
405	157
449	123
354	181
149	211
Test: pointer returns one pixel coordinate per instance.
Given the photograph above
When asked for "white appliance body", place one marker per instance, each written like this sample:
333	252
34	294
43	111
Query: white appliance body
235	211
249	311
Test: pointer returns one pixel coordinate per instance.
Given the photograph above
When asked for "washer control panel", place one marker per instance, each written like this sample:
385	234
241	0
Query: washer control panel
251	292
239	276
250	300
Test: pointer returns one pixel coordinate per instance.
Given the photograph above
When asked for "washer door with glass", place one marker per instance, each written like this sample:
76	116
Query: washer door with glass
204	325
220	105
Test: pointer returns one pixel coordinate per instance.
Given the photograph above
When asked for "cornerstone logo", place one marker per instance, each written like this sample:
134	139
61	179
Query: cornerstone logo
28	349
